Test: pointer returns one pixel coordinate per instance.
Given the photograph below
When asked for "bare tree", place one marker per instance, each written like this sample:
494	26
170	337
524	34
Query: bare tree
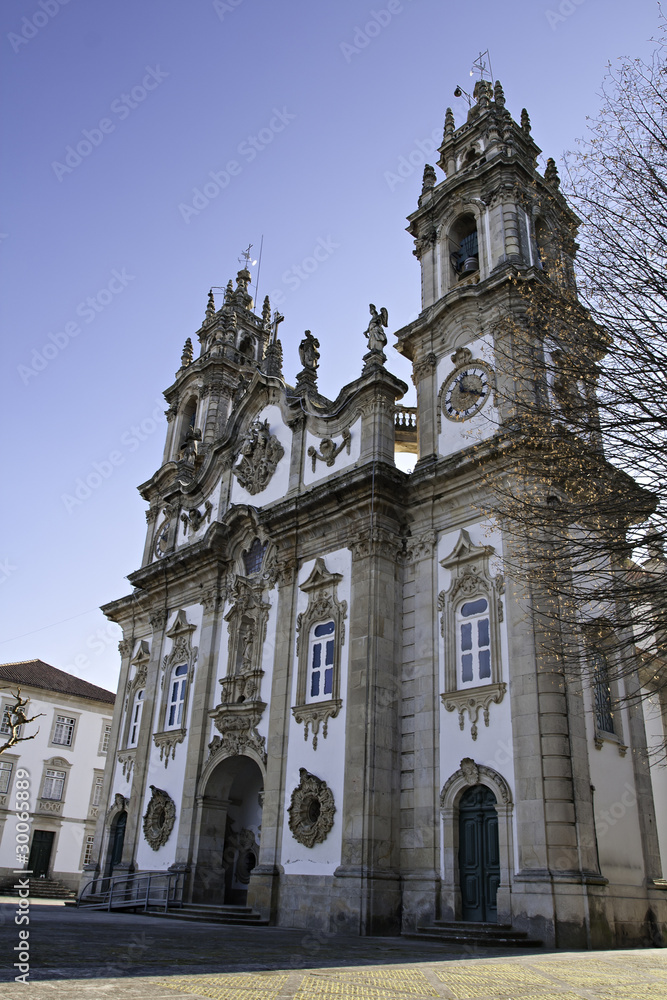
583	376
17	719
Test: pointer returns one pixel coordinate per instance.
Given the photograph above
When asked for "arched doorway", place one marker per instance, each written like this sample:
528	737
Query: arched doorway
116	842
229	832
479	854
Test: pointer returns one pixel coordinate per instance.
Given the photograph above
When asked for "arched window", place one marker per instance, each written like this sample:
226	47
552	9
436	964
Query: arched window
135	719
252	559
187	421
247	347
463	246
179	682
321	656
474	642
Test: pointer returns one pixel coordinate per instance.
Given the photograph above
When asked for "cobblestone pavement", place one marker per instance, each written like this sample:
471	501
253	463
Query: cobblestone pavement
79	954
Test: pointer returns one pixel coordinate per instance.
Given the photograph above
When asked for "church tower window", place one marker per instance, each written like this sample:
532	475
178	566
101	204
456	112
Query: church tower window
464	246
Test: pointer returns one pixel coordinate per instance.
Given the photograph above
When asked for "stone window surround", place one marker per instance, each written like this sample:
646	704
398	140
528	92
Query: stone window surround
106	732
13	759
470	579
595	642
5	704
97	773
182	652
88	842
469	775
66	714
140	663
54	764
323	605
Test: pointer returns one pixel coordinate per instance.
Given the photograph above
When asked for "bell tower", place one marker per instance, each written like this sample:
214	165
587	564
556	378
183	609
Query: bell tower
492	220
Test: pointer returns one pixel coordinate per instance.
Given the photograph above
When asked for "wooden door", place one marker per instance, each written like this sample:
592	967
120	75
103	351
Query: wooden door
479	856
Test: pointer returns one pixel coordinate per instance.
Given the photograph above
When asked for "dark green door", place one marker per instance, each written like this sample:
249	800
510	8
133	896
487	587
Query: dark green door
479	857
40	852
116	841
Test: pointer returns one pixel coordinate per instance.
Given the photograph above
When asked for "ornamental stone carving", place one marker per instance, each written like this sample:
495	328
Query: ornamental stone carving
167	743
159	818
470	771
311	811
260	453
194	518
420	546
421	369
329	450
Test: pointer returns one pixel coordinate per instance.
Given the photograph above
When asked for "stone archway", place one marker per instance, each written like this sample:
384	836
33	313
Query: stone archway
467	777
230	820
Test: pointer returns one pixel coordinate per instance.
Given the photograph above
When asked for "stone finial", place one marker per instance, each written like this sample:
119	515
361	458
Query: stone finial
242	295
266	312
525	121
482	93
551	173
273	360
187	355
499	95
449	122
210	309
428	180
229	293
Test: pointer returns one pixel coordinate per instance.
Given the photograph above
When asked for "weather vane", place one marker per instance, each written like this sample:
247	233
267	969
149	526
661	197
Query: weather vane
480	65
245	257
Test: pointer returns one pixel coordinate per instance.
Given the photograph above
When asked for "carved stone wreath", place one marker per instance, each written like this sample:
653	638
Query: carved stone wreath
311	810
260	453
159	818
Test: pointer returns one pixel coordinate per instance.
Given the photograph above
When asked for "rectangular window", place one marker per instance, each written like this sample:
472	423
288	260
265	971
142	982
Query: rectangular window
6	767
177	700
97	789
54	784
64	731
5	726
135	721
88	851
475	641
322	649
604	716
106	736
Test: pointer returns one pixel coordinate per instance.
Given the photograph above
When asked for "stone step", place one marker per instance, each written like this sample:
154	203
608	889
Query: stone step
212	914
474	933
40	888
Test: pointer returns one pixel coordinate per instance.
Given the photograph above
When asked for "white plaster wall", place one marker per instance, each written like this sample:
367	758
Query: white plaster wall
279	481
655	740
493	746
328	761
343	460
616	810
169	778
83	757
455	435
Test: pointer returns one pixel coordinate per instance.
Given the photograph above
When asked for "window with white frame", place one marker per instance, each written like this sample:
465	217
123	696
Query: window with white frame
321	658
106	736
88	849
135	718
54	784
6	722
63	733
6	768
179	682
98	785
473	642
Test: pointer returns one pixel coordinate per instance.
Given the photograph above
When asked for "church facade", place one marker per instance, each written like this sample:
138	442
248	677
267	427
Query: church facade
331	707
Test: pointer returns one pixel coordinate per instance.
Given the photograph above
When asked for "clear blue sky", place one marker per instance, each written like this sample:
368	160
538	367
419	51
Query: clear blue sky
107	256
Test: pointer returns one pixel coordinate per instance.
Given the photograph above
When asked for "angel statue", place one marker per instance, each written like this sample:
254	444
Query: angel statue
377	338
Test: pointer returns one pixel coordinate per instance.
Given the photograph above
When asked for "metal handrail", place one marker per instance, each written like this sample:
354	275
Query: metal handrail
129	891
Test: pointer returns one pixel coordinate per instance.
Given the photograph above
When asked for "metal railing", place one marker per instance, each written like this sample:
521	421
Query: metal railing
130	892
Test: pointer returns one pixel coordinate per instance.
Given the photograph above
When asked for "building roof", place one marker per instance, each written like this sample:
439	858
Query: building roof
36	673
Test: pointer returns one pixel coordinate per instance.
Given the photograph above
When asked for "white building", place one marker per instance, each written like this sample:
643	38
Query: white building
65	764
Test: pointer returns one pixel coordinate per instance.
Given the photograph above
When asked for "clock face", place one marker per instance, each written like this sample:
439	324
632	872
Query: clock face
161	539
466	390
